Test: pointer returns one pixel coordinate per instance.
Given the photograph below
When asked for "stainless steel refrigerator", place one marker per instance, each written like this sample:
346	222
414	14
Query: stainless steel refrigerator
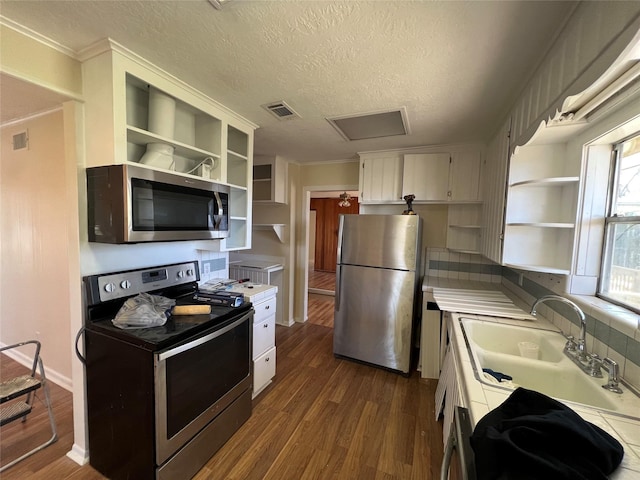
377	285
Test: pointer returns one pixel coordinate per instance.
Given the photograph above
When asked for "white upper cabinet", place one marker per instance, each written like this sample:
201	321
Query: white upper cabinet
381	178
426	175
464	177
442	177
269	180
137	113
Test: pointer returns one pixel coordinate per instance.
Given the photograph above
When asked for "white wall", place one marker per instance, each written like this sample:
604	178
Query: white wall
34	213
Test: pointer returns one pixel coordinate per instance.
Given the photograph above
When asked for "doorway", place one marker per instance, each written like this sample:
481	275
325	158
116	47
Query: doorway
325	300
324	211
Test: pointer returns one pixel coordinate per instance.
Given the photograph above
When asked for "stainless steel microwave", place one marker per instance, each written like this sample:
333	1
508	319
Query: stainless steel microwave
131	204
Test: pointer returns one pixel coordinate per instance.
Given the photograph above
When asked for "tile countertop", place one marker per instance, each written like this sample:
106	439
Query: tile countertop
257	265
480	398
431	283
253	292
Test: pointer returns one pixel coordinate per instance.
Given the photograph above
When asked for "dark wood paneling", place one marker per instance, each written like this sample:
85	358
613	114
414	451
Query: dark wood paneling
327	212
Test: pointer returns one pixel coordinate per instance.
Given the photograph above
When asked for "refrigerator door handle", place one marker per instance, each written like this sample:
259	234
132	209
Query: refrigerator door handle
340	233
338	284
339	262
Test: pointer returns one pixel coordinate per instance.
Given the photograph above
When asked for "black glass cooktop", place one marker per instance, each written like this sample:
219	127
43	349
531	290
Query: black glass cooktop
176	329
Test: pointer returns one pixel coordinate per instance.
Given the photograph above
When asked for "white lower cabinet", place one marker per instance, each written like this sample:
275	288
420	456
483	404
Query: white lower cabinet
264	300
264	369
264	338
264	330
448	391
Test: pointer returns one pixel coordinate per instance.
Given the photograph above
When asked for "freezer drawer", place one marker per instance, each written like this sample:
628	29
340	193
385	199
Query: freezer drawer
374	312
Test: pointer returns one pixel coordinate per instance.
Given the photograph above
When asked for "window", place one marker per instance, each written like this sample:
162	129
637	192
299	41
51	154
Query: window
620	272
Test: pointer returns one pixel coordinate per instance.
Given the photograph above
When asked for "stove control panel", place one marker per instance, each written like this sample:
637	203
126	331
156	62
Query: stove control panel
110	286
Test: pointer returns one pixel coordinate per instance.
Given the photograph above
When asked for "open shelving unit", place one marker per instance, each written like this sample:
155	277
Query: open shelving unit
541	211
464	228
130	103
239	176
280	229
196	134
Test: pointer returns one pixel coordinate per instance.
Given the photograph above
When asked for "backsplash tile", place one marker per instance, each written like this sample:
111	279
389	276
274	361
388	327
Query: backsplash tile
602	332
618	341
213	265
439	262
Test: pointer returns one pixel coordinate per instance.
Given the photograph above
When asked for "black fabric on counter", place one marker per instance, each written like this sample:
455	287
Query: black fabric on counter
533	436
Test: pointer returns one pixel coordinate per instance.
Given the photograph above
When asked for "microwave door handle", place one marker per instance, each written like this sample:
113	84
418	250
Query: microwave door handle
217	218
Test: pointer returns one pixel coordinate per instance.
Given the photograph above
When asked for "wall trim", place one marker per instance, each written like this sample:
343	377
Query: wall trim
38	37
31	116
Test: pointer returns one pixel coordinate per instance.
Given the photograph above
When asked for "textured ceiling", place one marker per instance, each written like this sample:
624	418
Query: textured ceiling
456	66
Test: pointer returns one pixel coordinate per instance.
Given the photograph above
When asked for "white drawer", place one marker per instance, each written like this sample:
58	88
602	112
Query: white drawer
264	369
264	309
264	336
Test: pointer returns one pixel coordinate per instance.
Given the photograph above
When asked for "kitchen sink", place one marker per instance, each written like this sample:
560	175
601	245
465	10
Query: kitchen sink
501	338
494	346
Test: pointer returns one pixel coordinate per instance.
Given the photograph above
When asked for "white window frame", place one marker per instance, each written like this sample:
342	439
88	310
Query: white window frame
595	146
611	220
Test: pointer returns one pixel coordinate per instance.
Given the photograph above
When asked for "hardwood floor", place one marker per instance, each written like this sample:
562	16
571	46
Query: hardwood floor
321	418
320	310
17	438
321	282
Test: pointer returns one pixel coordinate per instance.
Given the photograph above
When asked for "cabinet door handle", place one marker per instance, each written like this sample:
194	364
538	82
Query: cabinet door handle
266	325
267	307
267	359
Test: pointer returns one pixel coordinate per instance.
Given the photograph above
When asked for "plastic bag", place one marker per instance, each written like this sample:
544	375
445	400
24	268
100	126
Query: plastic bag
143	311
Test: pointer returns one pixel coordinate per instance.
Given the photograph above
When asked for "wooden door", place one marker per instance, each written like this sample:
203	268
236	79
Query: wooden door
327	212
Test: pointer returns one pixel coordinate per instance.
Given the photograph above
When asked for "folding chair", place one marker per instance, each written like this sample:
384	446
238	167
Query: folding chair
13	403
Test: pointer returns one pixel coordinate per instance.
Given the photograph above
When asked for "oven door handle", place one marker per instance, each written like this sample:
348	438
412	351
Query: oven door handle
448	453
78	354
459	436
199	341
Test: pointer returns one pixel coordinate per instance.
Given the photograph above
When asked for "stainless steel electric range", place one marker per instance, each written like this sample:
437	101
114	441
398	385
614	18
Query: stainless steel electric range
162	400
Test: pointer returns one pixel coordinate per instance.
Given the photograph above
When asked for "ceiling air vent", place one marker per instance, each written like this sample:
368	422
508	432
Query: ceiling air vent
281	110
379	124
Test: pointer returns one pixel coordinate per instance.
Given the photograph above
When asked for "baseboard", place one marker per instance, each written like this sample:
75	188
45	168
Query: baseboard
78	454
320	291
285	323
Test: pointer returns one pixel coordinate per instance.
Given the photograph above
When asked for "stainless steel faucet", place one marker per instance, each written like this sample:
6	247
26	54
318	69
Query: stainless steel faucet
614	379
582	340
